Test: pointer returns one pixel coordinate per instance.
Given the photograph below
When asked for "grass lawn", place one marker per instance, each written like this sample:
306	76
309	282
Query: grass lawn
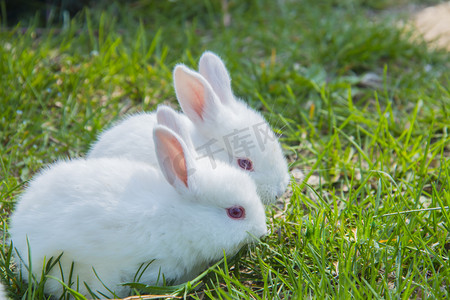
362	105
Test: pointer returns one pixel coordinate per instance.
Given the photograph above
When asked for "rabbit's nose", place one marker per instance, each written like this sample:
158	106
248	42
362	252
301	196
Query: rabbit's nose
280	191
264	231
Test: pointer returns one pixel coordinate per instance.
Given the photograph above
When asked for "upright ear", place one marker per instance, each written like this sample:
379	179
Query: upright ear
196	97
173	120
213	69
174	159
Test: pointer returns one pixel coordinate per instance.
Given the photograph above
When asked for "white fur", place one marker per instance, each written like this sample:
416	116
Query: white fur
114	214
130	138
3	293
214	117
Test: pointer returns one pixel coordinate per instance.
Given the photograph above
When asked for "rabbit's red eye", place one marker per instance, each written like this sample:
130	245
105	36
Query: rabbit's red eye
245	164
236	212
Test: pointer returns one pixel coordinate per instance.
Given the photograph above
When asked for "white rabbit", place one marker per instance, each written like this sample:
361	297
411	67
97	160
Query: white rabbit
221	126
114	214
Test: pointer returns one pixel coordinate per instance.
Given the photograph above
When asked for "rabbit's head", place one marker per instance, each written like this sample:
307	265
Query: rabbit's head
224	211
233	131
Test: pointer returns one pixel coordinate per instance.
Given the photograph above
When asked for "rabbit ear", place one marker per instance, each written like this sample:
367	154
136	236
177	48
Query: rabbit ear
170	118
174	159
213	69
195	95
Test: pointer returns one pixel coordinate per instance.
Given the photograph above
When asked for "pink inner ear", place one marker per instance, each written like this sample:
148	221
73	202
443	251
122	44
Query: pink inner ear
175	152
198	102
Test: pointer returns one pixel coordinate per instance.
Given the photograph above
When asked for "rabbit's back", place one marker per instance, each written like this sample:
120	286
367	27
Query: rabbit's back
130	138
86	196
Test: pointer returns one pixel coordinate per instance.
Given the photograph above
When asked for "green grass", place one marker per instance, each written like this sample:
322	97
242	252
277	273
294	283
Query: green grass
368	220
